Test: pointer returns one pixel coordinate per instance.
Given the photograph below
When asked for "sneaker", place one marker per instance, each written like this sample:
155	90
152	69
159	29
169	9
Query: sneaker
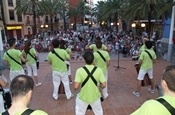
150	90
55	97
38	84
71	82
136	93
72	95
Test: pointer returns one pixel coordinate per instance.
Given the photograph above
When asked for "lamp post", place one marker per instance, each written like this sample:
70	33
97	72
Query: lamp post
43	29
133	25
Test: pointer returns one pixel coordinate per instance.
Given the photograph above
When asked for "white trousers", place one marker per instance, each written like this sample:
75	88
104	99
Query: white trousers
1	104
57	78
81	107
13	74
105	90
31	69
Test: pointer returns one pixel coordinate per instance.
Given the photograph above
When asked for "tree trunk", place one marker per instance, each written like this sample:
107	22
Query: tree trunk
75	23
34	20
51	26
65	27
3	20
149	23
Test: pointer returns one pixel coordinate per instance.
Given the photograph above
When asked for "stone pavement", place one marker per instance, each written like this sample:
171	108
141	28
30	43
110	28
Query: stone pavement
121	84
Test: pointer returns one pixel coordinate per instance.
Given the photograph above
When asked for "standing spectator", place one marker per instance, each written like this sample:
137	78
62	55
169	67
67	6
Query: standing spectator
2	84
14	58
93	47
89	77
102	60
154	107
145	61
21	89
59	69
32	57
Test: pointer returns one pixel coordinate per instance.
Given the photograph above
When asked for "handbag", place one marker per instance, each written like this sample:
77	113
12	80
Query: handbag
6	97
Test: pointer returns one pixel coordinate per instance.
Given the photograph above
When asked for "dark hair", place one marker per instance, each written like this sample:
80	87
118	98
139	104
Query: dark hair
169	77
11	41
98	44
148	44
88	57
55	43
62	44
27	46
21	85
98	38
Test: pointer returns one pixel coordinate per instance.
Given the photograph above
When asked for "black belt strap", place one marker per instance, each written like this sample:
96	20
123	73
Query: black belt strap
58	56
89	75
13	59
101	56
32	56
149	54
167	105
26	112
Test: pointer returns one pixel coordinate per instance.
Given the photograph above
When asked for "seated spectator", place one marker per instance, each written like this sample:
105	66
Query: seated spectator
154	107
21	89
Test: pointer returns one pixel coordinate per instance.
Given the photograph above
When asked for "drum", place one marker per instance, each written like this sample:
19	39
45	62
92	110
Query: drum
146	80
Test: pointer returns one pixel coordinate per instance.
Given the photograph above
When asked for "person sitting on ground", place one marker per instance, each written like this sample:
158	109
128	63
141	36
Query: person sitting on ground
21	89
154	107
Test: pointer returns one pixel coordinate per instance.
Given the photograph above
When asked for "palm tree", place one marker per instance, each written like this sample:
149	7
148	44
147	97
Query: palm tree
73	12
29	7
51	9
146	9
63	7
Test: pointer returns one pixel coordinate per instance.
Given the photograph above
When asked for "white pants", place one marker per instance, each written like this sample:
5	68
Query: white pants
13	74
1	103
105	90
57	78
31	68
80	107
69	69
143	72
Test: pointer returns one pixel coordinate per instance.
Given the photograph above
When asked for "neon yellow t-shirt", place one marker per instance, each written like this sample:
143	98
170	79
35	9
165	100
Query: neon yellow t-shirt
90	92
30	60
94	48
147	63
99	62
153	107
16	55
56	63
36	112
68	50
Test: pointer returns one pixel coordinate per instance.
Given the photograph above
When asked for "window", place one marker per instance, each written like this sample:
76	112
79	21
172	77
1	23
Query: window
19	18
27	21
10	2
11	15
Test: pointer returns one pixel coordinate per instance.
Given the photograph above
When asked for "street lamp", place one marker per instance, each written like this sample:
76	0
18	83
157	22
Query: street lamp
143	25
133	25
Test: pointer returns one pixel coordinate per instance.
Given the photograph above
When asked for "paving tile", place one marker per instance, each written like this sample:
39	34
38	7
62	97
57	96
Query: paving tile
121	84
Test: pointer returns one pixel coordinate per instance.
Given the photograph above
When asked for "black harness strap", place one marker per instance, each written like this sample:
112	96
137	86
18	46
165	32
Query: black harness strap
167	105
101	56
26	112
149	54
13	59
32	56
89	75
58	56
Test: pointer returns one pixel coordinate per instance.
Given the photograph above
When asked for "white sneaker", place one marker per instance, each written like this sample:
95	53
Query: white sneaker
55	97
150	90
72	95
71	82
136	93
38	84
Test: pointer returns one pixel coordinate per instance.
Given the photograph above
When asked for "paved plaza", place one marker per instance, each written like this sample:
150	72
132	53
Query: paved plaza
121	84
